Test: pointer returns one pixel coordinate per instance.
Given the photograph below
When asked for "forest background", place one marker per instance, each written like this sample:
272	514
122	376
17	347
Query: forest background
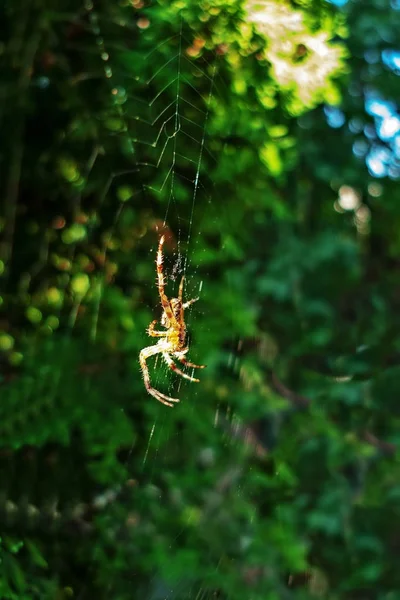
263	140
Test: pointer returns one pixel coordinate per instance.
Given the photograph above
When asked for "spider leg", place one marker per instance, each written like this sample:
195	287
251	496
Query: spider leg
180	295
143	356
161	283
173	366
189	364
153	333
180	292
189	302
167	400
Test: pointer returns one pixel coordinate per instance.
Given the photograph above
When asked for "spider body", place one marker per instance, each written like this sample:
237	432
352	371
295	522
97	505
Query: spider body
173	340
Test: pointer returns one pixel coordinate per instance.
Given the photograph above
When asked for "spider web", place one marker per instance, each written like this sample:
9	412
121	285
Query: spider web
169	133
167	137
168	120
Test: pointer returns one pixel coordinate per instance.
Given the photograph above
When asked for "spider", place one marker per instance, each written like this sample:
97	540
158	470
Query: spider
173	340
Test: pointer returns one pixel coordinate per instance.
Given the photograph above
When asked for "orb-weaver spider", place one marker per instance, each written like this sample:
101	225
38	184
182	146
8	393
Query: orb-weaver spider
173	340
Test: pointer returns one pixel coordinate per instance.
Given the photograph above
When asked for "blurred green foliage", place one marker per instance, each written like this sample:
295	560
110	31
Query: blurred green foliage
277	476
